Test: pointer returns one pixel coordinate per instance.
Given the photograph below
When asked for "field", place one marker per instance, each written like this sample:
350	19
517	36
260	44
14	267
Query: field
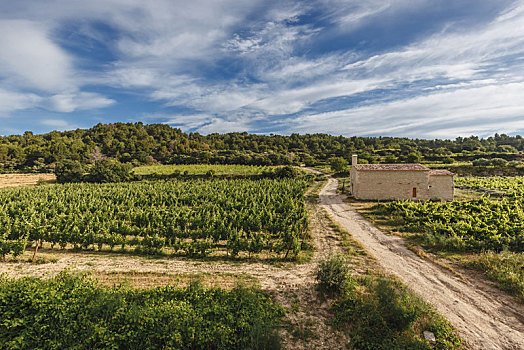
505	184
189	217
15	180
70	311
485	232
201	169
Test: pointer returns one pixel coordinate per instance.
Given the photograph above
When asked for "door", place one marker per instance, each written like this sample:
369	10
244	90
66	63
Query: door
414	192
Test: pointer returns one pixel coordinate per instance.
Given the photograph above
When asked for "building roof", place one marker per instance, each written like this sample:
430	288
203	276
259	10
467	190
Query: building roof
440	172
410	167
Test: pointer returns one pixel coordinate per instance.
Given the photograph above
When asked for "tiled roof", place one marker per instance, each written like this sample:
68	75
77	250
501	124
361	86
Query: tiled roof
440	172
416	167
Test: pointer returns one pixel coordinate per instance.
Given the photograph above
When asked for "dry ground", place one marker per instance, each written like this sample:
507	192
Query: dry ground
14	180
484	316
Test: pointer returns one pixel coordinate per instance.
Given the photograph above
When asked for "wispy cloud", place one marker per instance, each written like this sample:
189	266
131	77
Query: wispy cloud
232	65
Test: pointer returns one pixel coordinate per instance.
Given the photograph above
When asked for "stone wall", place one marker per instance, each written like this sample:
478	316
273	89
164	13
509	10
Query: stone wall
441	186
398	184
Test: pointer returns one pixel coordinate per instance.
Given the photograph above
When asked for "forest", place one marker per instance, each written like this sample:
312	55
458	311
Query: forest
139	144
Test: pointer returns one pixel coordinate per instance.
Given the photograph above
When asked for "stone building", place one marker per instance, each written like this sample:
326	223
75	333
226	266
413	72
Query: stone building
399	181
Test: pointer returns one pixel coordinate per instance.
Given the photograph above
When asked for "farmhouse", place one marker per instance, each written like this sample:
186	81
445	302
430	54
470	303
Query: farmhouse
399	181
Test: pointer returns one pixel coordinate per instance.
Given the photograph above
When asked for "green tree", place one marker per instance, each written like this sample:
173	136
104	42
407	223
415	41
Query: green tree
338	164
68	170
107	170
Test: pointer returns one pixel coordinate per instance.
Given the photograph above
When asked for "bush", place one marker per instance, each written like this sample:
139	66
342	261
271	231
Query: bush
286	172
499	162
69	170
338	164
74	312
333	275
106	170
381	314
481	162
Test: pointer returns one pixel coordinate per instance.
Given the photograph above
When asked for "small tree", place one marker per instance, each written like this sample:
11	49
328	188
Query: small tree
338	164
109	171
69	170
499	162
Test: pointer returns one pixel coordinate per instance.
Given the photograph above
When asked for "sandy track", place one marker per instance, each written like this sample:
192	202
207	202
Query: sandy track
485	317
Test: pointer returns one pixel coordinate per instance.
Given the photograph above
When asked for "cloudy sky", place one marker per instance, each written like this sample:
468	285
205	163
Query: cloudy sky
415	68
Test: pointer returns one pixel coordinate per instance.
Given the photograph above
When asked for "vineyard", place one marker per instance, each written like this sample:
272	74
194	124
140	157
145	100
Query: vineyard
73	312
509	185
189	217
201	169
476	225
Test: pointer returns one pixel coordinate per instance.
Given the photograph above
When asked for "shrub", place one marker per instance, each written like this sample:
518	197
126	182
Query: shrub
286	172
71	311
69	170
106	170
481	162
333	275
500	162
338	164
381	314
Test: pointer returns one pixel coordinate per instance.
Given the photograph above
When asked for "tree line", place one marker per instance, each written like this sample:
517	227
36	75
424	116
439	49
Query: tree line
138	143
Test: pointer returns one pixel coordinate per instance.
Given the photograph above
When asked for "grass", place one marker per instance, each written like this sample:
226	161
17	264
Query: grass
150	279
507	268
377	310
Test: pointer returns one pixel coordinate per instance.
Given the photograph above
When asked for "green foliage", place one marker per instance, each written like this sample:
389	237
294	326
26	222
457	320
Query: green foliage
333	275
476	225
158	143
505	267
511	185
74	312
338	164
481	162
200	169
381	314
499	162
68	170
193	217
286	172
106	170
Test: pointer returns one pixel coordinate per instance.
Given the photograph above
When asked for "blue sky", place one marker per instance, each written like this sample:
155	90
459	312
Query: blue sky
426	69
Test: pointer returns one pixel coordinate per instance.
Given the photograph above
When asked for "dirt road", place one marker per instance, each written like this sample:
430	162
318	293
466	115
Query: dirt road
485	317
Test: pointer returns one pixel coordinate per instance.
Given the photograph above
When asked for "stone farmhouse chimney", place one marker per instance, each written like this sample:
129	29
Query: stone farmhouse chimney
354	159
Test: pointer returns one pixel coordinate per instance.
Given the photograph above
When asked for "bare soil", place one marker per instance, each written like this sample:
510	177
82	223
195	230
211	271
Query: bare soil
485	317
15	180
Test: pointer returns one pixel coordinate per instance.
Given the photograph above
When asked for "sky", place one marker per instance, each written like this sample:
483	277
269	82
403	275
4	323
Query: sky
410	68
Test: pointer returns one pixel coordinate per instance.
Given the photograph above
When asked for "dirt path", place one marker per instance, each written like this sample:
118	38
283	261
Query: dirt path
485	317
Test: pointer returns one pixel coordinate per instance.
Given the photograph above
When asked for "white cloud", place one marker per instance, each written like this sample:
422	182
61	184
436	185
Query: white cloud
28	57
165	49
58	123
432	115
12	101
71	102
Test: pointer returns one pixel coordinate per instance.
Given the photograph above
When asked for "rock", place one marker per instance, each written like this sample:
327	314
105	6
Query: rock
429	336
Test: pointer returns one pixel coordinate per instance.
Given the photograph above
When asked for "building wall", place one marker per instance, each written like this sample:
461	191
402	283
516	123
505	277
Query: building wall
397	184
441	186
